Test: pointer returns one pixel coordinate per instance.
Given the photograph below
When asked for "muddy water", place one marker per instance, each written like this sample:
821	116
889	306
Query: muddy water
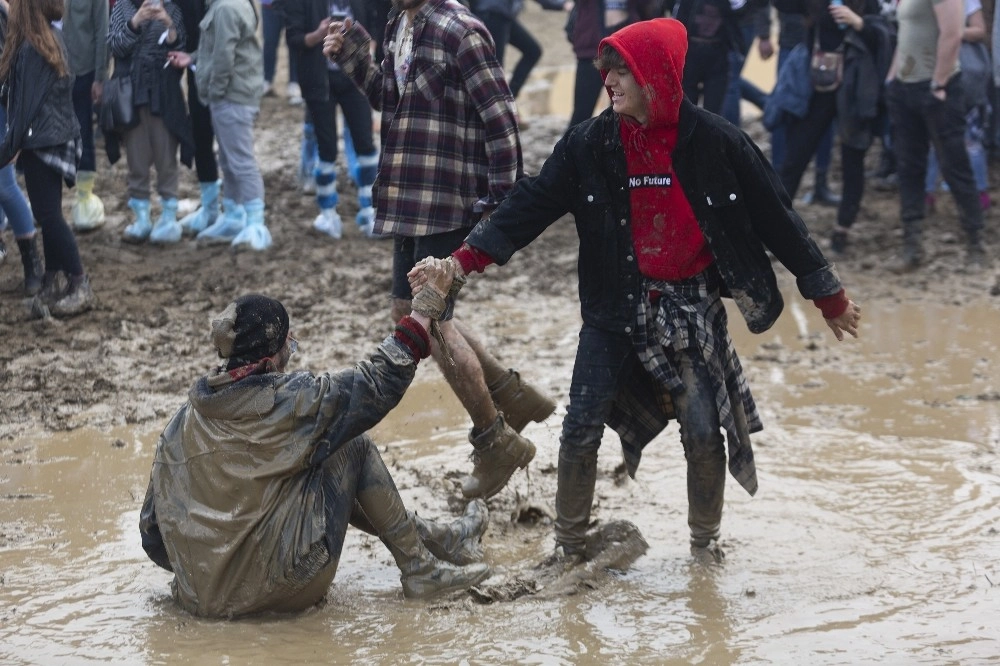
874	536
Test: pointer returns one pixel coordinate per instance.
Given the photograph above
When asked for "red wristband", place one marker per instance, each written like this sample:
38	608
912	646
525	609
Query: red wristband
472	259
832	306
413	336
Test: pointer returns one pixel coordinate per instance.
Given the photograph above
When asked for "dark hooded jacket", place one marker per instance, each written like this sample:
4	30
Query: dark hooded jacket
740	205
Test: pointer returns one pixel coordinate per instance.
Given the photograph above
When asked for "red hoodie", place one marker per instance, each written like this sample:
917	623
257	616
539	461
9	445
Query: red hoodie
668	243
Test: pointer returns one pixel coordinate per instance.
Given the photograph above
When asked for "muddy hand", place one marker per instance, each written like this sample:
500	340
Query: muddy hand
434	273
848	321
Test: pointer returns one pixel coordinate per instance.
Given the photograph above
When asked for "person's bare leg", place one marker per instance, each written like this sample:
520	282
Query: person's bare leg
493	369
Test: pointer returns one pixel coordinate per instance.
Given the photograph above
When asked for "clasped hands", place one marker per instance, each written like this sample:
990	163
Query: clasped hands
434	282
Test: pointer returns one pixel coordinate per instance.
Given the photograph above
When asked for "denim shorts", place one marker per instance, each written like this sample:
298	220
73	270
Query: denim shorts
408	250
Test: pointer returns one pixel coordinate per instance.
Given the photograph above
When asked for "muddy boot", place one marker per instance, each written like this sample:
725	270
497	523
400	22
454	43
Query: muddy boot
913	248
78	299
167	229
574	498
975	253
139	230
31	259
458	541
207	213
706	485
499	452
422	574
518	401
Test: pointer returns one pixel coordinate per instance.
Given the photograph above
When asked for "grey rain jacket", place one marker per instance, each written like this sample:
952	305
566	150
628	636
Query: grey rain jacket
235	505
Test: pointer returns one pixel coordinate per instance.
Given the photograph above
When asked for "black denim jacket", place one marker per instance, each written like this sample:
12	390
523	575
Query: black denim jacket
737	198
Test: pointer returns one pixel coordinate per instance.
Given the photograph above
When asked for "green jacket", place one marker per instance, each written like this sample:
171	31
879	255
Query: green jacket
230	64
85	31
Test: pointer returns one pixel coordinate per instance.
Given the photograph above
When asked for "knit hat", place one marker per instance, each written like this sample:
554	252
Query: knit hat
250	328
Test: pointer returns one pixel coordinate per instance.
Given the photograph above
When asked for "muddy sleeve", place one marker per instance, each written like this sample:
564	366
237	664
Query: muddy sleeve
778	225
149	530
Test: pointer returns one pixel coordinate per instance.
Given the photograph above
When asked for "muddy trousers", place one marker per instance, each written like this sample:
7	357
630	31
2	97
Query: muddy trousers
603	361
358	490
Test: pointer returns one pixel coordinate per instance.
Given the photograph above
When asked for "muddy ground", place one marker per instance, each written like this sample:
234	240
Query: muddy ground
130	360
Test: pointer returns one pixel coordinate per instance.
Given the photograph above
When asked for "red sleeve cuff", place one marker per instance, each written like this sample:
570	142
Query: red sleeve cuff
414	337
472	259
832	306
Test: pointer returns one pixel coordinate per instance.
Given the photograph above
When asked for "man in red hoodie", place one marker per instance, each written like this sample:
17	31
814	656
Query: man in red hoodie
675	208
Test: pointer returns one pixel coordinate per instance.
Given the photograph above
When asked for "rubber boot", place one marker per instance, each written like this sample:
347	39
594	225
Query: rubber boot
518	401
88	209
53	287
139	230
913	249
574	498
255	233
207	213
227	226
367	169
422	574
975	253
459	541
328	221
31	259
498	453
308	158
78	298
706	484
167	229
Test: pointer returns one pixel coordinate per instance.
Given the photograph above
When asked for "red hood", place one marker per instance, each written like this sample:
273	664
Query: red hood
654	51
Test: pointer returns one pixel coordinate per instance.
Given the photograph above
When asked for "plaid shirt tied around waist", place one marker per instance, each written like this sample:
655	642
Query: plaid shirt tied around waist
689	314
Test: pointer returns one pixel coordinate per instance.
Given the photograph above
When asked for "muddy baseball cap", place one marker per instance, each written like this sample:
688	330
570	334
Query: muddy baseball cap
250	328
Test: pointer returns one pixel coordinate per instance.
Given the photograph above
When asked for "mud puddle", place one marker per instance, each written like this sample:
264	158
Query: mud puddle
874	536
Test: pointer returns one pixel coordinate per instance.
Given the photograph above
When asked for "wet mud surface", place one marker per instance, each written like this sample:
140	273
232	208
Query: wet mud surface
874	536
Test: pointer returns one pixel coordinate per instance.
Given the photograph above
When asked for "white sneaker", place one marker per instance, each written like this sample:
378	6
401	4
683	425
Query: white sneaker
294	93
328	222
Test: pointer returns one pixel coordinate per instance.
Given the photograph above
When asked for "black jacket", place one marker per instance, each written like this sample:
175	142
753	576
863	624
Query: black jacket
302	17
737	198
39	105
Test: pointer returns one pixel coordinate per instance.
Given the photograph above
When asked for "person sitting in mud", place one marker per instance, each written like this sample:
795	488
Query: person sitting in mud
258	475
674	208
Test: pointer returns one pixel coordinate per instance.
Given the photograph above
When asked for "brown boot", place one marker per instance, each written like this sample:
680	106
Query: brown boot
520	402
31	259
457	542
422	574
499	452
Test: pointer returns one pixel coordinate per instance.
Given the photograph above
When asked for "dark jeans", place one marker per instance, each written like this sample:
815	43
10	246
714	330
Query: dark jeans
273	25
739	88
510	31
779	141
83	105
603	361
357	115
587	87
45	186
804	137
920	120
706	74
204	137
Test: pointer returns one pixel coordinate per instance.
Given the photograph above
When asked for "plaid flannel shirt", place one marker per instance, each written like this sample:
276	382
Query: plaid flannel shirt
449	137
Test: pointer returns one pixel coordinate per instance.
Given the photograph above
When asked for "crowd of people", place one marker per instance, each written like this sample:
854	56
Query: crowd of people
257	477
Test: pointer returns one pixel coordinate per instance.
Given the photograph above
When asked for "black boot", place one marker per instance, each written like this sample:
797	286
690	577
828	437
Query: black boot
574	498
821	194
78	299
31	259
913	249
706	485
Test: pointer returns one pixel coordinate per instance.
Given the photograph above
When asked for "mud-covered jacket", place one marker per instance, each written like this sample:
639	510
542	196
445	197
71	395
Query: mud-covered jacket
235	505
741	208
